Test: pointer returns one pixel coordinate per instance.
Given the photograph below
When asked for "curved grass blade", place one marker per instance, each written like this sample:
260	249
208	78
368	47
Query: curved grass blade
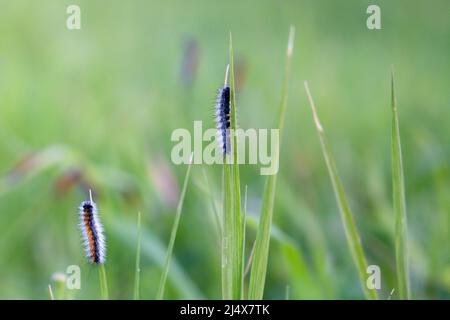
398	191
351	232
173	235
261	253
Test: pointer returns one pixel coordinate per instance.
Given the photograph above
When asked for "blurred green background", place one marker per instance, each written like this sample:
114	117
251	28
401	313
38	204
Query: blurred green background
95	108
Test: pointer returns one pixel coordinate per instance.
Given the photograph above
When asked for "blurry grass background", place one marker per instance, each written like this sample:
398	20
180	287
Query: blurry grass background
95	108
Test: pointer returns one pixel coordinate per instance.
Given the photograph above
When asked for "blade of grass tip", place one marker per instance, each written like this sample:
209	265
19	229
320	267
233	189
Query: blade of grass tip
103	282
138	259
351	232
398	191
50	293
173	234
261	252
238	219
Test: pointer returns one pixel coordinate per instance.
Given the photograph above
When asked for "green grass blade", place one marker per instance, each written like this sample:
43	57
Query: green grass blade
227	236
302	281
137	272
238	219
250	257
398	190
261	253
351	232
103	282
233	225
173	235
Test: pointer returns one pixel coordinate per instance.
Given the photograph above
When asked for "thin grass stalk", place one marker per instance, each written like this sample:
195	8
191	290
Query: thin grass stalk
173	235
103	282
227	237
398	194
351	232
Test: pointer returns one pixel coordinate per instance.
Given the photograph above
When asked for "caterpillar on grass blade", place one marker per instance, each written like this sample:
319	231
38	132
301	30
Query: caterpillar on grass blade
223	116
92	232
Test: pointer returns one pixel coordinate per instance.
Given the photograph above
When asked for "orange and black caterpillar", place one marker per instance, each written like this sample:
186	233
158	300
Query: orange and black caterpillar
92	233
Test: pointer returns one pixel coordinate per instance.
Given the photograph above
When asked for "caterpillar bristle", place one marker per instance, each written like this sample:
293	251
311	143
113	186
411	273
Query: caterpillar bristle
92	232
223	119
